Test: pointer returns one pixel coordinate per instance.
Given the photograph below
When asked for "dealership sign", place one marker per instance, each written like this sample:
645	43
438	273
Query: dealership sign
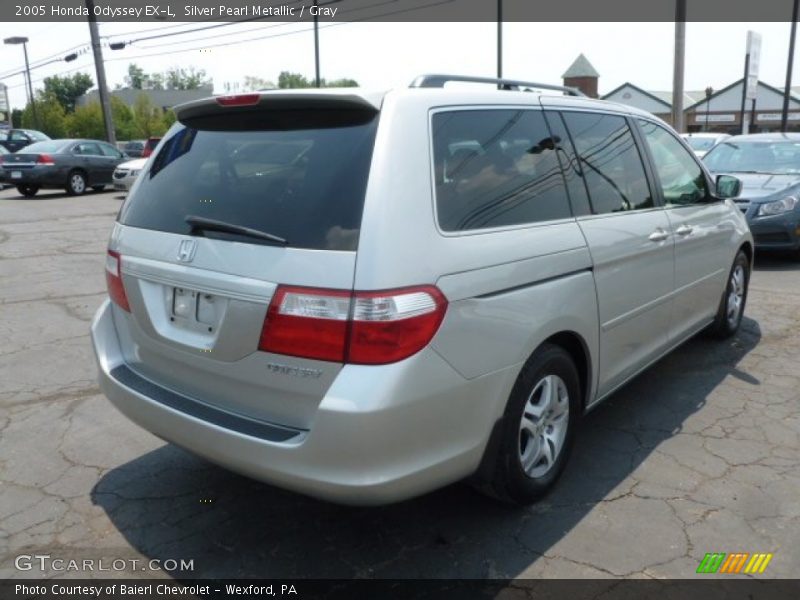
777	117
703	118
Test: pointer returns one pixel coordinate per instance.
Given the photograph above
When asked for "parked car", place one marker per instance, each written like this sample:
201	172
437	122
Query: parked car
134	148
149	146
73	165
126	173
336	292
3	151
703	142
769	166
16	139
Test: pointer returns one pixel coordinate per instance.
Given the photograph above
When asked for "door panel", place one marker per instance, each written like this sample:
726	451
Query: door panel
634	280
631	245
700	228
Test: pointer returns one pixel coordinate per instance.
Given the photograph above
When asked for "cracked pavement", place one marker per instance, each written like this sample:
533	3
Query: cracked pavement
698	454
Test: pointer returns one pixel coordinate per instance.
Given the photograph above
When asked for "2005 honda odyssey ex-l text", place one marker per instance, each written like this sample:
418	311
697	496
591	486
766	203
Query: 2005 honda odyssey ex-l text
364	297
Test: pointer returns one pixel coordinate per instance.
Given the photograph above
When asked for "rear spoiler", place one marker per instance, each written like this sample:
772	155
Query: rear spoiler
294	100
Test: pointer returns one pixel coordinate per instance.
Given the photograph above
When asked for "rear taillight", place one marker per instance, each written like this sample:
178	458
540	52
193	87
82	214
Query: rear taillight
45	159
116	290
367	328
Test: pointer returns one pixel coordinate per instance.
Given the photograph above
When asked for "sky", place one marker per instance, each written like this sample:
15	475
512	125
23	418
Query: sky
386	55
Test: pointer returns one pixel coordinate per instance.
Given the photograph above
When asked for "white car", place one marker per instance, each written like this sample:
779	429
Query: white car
126	173
701	143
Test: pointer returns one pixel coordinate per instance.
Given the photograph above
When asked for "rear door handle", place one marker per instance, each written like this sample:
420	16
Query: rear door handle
659	235
684	230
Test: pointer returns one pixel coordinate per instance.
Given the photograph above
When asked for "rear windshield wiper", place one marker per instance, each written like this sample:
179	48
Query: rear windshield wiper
200	224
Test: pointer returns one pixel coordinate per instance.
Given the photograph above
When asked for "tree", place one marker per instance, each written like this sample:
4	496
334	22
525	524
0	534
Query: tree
168	119
288	80
253	83
178	78
124	123
51	118
87	122
16	117
174	78
136	77
68	89
148	118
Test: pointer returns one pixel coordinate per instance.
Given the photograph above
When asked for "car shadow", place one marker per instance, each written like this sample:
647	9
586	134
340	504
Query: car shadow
777	261
170	504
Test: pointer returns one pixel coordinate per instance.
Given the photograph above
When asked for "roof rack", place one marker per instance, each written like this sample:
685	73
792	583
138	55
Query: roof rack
438	81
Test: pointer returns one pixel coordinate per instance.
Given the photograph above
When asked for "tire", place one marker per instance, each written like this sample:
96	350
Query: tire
27	190
98	188
76	183
535	444
734	298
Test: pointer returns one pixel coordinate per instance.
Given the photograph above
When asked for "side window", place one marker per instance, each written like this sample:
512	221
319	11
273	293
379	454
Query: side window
18	136
109	150
569	164
496	168
610	160
87	149
682	180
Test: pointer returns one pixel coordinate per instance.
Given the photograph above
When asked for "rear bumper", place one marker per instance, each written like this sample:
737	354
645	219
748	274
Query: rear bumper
42	176
380	434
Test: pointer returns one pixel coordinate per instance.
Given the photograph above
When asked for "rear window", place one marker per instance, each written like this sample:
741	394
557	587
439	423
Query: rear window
299	175
52	146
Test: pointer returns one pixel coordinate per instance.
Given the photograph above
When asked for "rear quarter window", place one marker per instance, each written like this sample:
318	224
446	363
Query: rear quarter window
299	175
496	168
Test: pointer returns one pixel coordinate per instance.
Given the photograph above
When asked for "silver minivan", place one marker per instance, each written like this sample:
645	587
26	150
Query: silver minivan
364	297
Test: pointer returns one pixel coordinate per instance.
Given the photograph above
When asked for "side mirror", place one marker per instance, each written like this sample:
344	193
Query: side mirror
728	186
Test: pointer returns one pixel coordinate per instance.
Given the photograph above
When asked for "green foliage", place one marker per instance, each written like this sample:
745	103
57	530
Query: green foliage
254	83
168	119
174	78
68	89
86	122
50	115
148	118
16	117
124	123
288	80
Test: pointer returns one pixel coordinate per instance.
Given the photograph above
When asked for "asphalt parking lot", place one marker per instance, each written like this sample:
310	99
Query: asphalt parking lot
699	454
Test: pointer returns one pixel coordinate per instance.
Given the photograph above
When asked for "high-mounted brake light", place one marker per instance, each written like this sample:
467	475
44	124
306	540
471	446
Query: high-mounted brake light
239	100
116	290
367	328
45	159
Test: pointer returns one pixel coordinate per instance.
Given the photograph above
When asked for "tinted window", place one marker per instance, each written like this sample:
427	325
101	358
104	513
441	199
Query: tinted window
570	165
610	161
18	136
88	149
299	175
681	178
496	168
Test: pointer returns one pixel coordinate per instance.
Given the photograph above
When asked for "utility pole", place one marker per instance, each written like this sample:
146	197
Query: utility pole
499	39
24	41
102	88
677	74
788	90
316	47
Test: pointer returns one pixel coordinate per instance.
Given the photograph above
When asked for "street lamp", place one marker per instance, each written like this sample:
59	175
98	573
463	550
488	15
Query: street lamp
13	41
709	93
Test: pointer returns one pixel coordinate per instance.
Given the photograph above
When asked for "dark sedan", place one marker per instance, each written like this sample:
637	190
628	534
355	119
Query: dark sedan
14	140
768	165
72	165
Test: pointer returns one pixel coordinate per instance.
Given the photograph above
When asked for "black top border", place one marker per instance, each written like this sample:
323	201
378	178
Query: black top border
19	11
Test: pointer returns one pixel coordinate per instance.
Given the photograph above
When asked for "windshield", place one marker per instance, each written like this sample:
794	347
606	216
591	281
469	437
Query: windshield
51	146
698	143
776	158
298	175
